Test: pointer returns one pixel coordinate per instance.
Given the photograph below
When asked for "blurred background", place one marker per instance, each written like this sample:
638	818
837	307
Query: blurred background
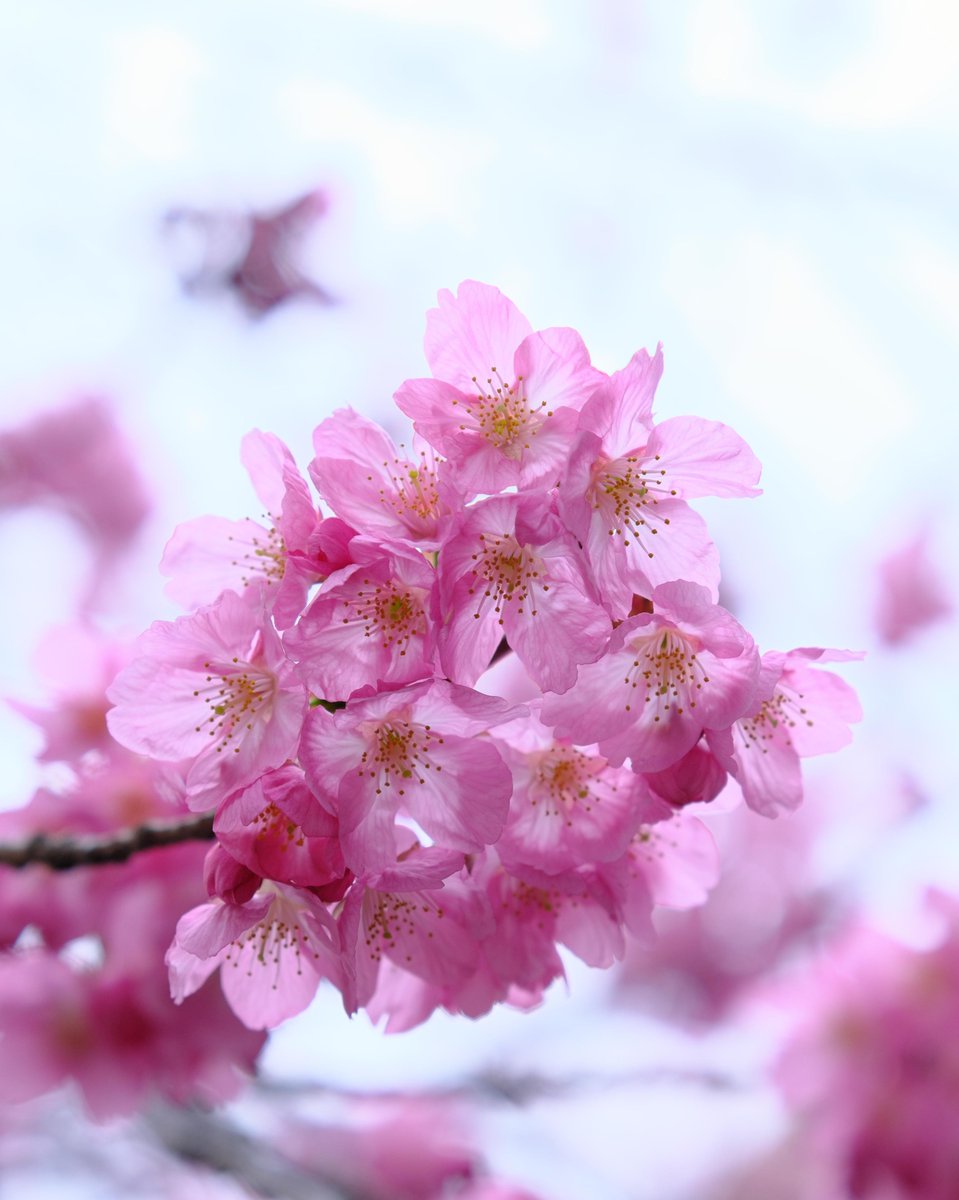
229	216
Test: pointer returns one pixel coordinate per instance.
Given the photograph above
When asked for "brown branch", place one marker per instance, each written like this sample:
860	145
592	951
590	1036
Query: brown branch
60	852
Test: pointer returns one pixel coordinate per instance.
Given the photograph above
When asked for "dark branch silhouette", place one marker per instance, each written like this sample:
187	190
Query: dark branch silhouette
61	851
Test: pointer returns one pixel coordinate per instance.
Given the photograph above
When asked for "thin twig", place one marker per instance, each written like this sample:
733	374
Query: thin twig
194	1135
60	852
515	1088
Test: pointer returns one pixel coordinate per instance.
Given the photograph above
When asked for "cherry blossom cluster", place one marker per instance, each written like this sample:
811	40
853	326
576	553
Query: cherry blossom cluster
452	724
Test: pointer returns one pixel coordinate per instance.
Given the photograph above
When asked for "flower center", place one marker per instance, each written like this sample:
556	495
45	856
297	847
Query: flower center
234	700
626	494
509	571
391	917
276	826
776	717
529	900
503	412
414	496
278	934
562	781
389	612
667	672
398	754
264	555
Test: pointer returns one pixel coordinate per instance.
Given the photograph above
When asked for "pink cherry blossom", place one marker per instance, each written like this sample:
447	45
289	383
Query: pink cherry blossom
569	805
210	554
510	569
666	677
625	489
499	958
369	622
503	400
519	947
379	488
671	860
912	593
273	950
677	857
214	687
406	915
278	829
418	749
226	878
800	712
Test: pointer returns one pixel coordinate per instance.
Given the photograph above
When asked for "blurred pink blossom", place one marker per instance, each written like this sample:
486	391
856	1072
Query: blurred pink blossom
912	593
75	459
872	1069
706	960
254	255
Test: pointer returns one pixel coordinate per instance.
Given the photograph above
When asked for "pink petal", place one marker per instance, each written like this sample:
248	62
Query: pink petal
704	458
210	928
620	411
208	555
555	365
463	800
680	861
472	332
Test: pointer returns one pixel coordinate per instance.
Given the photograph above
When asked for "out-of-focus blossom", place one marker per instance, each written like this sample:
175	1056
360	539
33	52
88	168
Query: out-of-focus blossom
409	1150
873	1067
76	459
786	1172
705	960
79	663
116	1033
254	255
103	1017
496	1189
912	593
415	1150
